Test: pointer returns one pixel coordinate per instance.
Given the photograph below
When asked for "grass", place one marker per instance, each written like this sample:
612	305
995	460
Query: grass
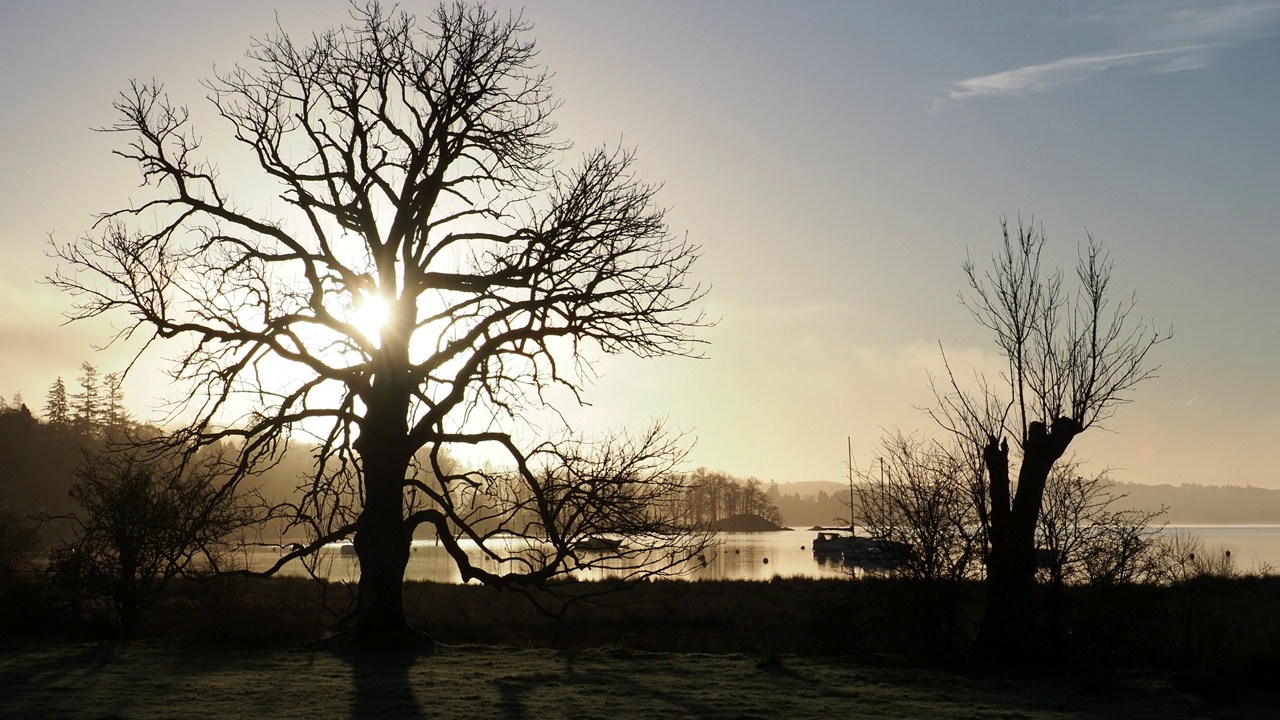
148	680
789	616
786	648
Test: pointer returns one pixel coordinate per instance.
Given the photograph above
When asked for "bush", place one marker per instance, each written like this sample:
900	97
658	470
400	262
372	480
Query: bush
143	522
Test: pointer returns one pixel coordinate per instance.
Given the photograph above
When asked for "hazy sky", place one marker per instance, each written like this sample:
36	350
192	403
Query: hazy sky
835	160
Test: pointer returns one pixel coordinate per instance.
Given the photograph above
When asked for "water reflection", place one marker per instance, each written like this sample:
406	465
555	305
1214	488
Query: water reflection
736	556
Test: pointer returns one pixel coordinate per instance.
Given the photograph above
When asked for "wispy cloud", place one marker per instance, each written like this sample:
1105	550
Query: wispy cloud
1149	38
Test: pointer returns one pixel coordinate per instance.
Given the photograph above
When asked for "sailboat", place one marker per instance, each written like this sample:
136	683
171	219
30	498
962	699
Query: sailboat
863	552
838	541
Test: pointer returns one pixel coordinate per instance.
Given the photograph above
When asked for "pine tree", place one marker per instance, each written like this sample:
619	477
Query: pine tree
88	408
56	409
114	414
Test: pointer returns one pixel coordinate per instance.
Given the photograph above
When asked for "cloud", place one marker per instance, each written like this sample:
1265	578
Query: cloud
1150	38
1038	78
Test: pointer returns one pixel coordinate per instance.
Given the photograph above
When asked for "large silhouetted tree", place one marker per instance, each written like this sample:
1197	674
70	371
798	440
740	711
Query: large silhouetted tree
1071	359
418	173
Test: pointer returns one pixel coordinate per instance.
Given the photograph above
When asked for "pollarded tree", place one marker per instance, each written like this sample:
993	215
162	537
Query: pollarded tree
1071	360
420	182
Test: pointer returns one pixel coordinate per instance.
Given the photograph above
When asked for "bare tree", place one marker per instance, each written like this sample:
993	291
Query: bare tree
1087	536
916	496
1071	360
144	521
710	497
418	174
19	547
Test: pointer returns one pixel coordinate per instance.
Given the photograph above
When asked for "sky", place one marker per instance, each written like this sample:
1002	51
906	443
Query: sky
835	161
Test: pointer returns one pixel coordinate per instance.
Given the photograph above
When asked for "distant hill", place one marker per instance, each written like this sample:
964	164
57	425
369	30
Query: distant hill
812	488
822	503
1206	504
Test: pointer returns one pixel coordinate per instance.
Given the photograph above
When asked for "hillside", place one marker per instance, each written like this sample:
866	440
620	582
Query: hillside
1206	504
823	503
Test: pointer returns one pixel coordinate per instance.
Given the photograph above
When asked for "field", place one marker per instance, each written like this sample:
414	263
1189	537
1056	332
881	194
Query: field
151	680
781	649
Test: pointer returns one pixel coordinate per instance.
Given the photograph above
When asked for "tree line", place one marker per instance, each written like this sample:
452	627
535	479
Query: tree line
96	410
41	451
712	496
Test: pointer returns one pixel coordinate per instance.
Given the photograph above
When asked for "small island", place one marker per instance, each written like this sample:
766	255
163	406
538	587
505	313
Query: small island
745	523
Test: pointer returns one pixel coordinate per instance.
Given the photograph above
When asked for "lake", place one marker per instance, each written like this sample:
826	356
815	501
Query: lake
762	556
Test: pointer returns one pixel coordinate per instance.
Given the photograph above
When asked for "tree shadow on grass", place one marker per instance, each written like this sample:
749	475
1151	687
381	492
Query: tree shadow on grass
514	689
514	692
382	688
57	662
860	691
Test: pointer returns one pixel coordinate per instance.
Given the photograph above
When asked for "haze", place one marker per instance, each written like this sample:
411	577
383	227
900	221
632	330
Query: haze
835	161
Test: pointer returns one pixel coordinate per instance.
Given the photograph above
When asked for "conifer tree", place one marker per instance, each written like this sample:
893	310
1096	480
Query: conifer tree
56	409
88	403
114	414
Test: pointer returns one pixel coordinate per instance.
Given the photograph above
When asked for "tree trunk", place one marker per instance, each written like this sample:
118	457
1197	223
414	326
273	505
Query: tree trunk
382	545
127	589
1007	634
382	539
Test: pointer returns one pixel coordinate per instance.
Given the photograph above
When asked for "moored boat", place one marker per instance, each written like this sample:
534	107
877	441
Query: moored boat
597	544
832	542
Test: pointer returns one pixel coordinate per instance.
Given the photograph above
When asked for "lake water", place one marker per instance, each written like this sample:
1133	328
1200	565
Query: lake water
762	556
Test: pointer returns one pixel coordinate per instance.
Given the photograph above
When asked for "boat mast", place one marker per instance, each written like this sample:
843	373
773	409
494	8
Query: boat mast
849	463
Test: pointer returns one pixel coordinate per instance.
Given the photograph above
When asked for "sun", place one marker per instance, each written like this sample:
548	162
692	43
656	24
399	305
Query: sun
370	315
